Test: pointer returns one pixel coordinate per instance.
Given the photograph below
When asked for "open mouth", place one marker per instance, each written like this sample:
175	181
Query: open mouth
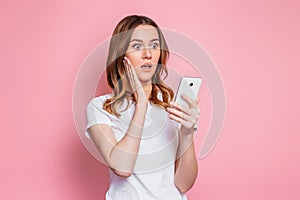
146	66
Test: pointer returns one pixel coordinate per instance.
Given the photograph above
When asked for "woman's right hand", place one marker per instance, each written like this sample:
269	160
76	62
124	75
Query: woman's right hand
135	83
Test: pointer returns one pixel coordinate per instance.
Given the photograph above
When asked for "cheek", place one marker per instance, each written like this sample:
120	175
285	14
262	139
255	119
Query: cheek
156	55
134	58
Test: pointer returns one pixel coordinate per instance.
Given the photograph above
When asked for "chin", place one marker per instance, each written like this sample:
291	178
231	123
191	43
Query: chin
145	81
144	78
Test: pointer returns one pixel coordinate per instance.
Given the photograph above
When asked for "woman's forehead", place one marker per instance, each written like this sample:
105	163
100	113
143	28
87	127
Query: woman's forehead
145	33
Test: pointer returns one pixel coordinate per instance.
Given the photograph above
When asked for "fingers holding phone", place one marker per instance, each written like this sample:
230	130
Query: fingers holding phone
185	108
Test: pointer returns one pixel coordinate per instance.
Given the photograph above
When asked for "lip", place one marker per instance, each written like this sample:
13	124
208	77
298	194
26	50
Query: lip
147	68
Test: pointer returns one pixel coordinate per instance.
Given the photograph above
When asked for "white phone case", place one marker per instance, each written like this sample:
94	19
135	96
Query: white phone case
189	86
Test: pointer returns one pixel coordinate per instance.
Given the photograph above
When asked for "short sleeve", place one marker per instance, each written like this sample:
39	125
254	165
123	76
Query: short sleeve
95	114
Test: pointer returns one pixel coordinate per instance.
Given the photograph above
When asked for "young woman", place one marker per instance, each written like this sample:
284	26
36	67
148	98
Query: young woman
144	137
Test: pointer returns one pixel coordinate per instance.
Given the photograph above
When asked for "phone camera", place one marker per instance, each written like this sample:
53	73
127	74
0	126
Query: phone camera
191	84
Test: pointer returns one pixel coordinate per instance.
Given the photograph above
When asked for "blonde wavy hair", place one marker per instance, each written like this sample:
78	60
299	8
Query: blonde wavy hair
115	70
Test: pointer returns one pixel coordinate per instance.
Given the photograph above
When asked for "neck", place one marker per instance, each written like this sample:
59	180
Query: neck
147	88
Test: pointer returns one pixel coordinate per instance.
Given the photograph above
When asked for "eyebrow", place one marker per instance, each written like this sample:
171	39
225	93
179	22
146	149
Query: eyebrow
137	40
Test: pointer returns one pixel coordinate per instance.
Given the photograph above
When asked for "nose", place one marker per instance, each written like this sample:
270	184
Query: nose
147	53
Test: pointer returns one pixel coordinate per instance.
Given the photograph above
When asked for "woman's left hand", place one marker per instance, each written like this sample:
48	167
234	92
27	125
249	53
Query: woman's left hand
186	116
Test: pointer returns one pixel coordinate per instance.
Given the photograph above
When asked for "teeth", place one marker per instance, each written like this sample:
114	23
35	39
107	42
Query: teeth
148	66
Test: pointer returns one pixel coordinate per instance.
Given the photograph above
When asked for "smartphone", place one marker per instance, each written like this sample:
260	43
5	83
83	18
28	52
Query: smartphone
189	86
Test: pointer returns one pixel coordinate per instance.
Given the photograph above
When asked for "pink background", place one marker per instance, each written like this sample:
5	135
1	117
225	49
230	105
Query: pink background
254	44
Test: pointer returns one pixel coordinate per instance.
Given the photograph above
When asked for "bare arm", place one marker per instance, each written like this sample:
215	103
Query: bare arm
186	166
121	156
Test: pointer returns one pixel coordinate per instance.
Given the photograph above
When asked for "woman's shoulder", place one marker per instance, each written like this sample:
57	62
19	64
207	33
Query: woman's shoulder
98	101
96	105
101	98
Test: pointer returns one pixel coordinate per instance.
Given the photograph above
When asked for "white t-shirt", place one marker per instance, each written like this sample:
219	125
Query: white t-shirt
153	175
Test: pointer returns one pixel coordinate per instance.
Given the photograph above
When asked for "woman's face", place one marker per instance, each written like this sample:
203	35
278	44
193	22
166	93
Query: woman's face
144	52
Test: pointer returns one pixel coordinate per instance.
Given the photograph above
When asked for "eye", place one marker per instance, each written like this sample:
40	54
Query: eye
137	46
154	45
